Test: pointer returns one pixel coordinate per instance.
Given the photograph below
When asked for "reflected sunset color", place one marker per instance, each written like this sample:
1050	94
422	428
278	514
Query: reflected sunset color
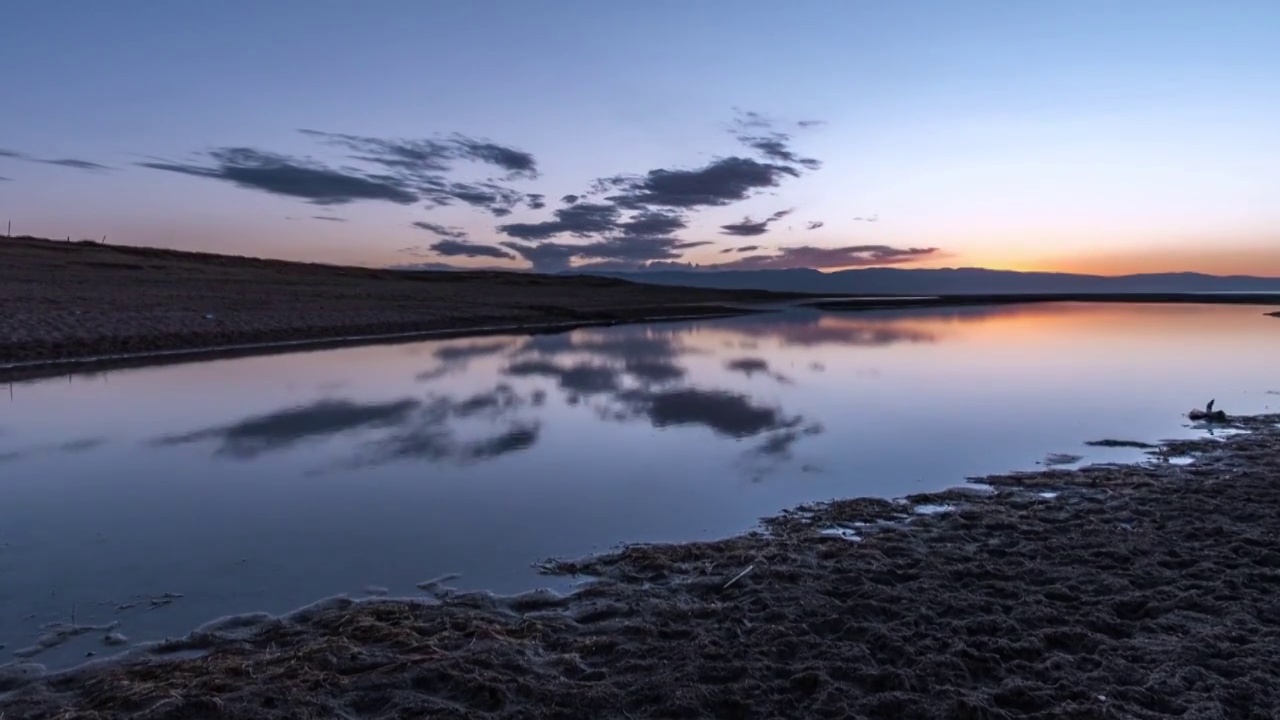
262	483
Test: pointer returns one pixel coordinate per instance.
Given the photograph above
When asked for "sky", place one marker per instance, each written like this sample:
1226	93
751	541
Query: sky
1083	135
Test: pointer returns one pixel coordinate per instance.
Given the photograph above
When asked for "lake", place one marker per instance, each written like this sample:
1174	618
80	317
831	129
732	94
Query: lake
264	483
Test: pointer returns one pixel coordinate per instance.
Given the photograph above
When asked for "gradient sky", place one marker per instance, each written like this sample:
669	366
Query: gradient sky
1107	137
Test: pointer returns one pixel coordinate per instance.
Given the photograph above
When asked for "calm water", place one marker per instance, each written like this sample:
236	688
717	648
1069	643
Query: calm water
265	483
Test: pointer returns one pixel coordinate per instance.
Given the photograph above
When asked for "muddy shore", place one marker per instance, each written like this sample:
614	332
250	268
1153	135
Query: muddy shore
1146	591
67	301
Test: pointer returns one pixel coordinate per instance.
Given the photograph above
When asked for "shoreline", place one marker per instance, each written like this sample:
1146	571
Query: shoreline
55	367
111	306
68	302
1143	590
854	304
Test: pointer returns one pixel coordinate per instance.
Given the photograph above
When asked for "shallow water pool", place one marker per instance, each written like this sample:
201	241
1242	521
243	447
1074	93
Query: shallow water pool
164	497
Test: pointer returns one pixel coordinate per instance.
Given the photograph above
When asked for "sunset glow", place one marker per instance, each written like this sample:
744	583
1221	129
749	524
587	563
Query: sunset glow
1078	137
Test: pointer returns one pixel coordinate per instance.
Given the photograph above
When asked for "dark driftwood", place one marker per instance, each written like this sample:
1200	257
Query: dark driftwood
1208	414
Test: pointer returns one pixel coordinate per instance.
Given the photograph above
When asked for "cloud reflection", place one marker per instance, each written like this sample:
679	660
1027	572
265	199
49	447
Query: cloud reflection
455	358
632	374
752	366
411	429
78	445
824	329
725	413
254	436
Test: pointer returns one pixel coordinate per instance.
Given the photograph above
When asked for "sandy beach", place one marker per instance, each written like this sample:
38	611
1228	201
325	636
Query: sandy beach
1145	591
71	300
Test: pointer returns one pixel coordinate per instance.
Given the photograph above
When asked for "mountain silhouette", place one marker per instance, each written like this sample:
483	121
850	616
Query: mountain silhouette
949	281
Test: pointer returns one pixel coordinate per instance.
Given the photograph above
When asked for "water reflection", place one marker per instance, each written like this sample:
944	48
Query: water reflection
630	373
254	436
455	358
415	429
429	433
752	366
261	483
829	329
80	445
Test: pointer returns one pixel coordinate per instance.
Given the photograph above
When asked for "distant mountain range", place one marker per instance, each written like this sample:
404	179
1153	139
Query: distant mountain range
958	281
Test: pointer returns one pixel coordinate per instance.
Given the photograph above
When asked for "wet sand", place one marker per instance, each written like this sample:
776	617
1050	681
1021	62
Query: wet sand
66	301
1144	591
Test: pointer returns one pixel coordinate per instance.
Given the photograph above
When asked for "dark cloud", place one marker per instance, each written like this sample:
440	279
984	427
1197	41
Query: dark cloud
415	159
448	233
76	164
535	201
774	147
650	222
631	248
751	120
461	248
517	162
750	228
547	257
497	199
293	177
807	256
73	163
412	156
757	132
656	204
580	220
806	124
743	249
328	218
5	179
813	224
646	235
722	182
263	434
399	171
613	254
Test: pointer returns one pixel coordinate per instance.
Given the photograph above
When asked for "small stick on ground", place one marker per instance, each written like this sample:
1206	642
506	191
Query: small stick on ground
738	577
